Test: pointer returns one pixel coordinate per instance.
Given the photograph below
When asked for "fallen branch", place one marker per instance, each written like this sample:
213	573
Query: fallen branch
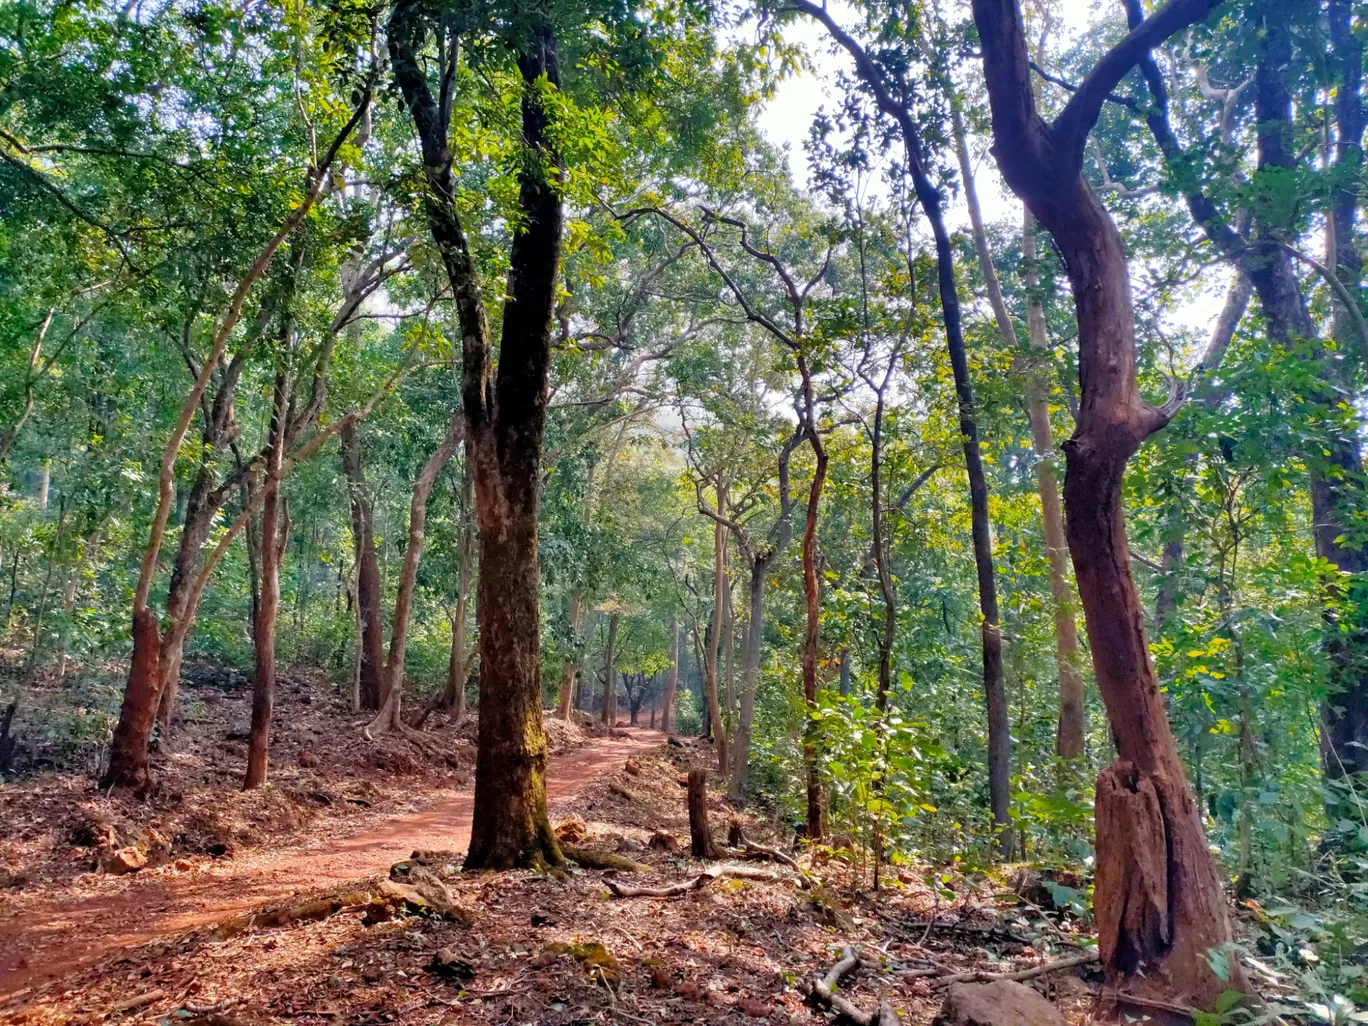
137	1001
824	993
1021	974
698	882
615	788
595	858
751	850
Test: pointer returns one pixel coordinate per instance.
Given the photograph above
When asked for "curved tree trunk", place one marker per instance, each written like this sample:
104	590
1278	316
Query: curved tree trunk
1158	900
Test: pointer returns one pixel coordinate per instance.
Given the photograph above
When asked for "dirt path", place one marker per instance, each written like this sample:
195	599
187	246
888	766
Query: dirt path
55	937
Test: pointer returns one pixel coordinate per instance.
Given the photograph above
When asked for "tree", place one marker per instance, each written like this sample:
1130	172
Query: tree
128	751
1158	899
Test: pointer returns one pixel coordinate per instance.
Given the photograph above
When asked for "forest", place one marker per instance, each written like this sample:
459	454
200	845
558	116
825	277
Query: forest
529	434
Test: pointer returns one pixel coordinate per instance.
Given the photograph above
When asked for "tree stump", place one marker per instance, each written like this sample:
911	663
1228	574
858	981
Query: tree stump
700	834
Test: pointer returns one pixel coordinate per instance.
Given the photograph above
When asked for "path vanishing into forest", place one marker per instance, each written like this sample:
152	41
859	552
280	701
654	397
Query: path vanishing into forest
58	936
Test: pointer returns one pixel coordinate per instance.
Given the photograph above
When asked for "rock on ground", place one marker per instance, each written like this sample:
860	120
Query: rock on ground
998	1003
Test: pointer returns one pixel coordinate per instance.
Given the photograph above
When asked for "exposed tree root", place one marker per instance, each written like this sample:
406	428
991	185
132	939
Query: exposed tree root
696	883
823	993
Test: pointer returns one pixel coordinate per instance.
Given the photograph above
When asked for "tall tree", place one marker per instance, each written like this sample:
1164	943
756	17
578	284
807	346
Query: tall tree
1158	902
505	416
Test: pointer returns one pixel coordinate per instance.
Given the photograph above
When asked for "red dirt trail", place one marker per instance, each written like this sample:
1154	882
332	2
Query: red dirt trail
57	936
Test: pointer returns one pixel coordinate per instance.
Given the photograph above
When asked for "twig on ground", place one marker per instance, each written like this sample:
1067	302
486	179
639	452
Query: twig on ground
1021	974
704	878
629	937
612	1000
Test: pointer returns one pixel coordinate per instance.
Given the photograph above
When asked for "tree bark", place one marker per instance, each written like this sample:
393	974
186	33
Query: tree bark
272	548
718	724
608	707
505	414
390	716
368	587
701	842
1158	898
667	712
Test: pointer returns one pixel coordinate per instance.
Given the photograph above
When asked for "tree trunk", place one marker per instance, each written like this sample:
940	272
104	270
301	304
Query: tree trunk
701	841
368	587
995	699
1071	733
128	767
608	708
390	716
272	547
1158	899
505	411
454	696
812	599
750	675
715	720
667	710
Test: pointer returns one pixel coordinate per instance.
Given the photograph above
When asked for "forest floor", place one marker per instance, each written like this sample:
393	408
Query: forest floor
270	907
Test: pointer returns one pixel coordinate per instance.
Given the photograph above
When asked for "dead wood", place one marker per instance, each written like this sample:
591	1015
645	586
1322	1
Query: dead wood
823	993
597	858
1044	968
700	833
698	882
137	1001
615	788
752	850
